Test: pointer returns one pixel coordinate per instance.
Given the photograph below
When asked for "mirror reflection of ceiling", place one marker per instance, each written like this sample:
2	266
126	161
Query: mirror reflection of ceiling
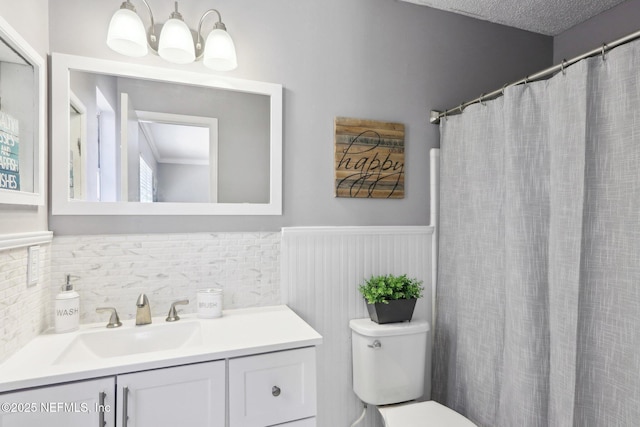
193	147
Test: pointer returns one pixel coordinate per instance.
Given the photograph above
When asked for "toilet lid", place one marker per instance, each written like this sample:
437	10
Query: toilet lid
423	414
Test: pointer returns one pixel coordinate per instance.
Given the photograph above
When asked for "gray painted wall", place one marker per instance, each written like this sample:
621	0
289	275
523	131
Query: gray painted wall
30	19
374	59
605	27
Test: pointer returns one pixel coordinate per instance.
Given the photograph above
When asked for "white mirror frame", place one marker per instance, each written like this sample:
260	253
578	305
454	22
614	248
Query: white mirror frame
35	198
60	90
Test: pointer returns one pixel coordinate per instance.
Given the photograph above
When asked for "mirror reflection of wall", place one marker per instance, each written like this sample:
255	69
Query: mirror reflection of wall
94	164
105	171
234	159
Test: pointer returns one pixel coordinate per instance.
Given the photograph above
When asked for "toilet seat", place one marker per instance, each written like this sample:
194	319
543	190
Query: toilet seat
422	414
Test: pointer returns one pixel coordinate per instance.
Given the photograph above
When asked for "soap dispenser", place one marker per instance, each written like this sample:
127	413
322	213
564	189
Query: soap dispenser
67	308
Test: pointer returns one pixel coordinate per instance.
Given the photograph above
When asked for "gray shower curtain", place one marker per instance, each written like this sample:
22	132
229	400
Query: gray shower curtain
538	294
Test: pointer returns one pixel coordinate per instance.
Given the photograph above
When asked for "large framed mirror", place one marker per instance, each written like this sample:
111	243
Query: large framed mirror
22	120
130	139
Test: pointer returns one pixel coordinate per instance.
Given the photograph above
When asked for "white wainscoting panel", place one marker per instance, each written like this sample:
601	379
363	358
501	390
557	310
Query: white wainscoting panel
321	270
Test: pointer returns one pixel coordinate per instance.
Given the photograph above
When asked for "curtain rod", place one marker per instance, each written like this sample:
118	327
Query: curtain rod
436	115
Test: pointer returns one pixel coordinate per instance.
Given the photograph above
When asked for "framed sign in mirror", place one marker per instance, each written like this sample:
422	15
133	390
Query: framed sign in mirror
22	120
129	139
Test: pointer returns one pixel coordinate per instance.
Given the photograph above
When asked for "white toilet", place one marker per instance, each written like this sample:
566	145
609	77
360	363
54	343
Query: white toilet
388	369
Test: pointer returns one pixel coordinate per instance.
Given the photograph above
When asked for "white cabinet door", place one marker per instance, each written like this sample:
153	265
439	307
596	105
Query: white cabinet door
272	388
81	404
189	395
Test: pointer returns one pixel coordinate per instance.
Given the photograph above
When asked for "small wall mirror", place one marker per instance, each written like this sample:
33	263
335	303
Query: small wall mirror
22	113
137	140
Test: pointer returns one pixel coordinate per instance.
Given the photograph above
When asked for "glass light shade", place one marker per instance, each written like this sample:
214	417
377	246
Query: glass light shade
176	43
127	34
219	51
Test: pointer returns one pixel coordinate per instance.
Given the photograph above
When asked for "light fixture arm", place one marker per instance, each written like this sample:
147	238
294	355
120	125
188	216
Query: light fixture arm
152	39
219	25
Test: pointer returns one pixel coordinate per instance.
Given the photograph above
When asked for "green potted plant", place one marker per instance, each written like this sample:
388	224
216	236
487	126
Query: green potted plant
391	298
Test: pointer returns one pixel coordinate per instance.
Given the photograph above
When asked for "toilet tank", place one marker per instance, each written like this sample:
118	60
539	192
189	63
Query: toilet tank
388	360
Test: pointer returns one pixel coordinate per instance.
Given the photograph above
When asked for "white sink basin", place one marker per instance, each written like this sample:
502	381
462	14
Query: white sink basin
110	343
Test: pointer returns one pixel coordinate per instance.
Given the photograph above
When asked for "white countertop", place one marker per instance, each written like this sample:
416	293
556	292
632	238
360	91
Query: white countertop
237	333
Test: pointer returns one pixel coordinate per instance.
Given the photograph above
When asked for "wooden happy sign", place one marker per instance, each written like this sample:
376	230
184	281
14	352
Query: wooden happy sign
369	159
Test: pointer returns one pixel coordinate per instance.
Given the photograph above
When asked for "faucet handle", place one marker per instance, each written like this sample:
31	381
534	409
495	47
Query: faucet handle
114	320
173	314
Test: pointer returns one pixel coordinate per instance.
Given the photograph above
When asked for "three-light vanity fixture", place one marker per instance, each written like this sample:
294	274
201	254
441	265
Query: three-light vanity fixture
177	43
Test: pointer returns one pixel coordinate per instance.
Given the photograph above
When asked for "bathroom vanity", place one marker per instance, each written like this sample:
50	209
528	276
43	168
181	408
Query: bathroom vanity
252	367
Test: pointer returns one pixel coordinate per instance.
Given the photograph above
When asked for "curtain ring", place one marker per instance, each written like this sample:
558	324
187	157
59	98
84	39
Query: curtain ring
446	119
564	72
484	104
604	49
461	107
504	87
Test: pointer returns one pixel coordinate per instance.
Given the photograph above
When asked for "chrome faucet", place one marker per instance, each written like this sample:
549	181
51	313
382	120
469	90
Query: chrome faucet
143	313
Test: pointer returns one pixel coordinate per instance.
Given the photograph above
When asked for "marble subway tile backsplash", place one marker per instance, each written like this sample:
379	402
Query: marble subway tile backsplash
112	270
24	311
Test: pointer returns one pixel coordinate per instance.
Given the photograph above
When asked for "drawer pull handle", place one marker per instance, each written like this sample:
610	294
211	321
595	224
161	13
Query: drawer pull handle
125	406
101	398
275	391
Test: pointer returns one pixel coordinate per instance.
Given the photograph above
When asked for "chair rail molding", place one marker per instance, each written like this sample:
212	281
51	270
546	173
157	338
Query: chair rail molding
19	240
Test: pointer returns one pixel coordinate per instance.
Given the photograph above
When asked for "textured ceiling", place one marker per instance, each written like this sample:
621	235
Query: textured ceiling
549	17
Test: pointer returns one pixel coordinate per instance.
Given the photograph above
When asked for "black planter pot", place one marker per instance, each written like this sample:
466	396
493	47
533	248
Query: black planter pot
400	310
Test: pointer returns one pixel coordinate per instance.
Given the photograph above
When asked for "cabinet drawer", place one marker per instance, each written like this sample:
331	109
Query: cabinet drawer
272	388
